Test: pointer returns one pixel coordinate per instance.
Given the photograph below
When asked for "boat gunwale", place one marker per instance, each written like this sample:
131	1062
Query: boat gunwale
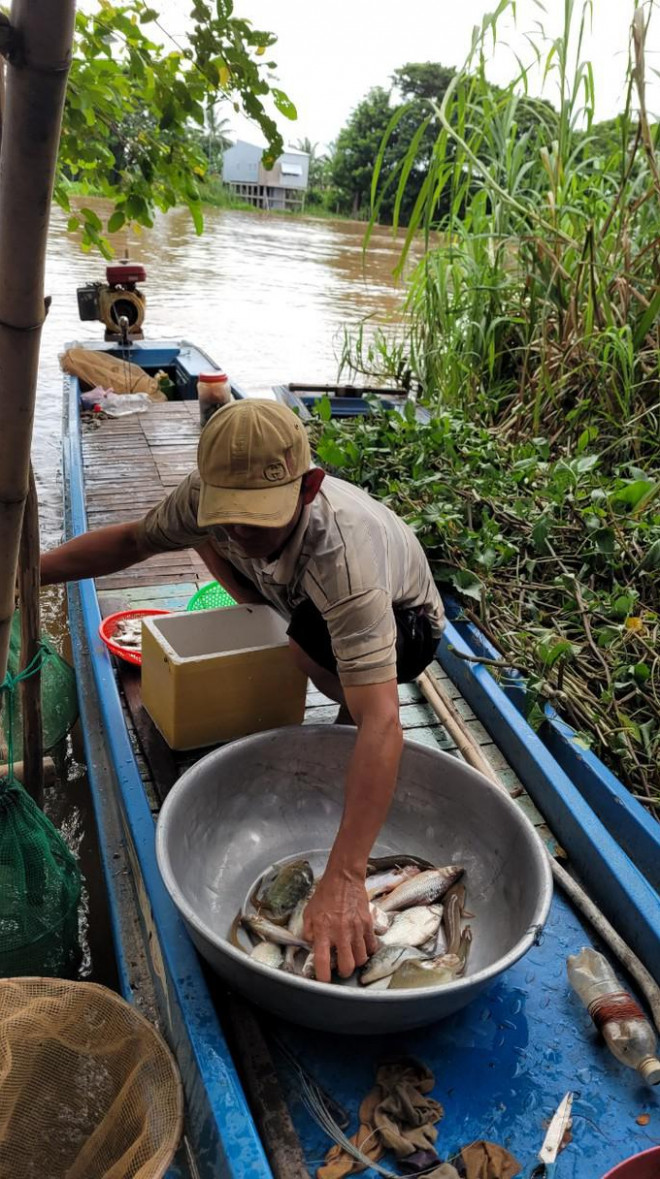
221	1120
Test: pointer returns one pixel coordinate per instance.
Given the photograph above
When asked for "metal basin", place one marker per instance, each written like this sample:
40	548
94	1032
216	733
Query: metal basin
276	794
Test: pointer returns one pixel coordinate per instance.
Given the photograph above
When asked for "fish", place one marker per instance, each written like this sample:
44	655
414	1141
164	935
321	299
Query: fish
309	968
128	633
430	972
451	920
268	954
413	927
384	962
461	892
380	883
269	932
282	889
386	863
380	921
296	921
422	889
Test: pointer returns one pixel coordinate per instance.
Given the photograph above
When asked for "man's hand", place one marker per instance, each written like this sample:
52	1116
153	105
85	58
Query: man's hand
337	918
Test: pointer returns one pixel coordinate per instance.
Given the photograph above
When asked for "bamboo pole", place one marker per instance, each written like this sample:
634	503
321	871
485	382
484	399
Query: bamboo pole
49	770
28	588
38	54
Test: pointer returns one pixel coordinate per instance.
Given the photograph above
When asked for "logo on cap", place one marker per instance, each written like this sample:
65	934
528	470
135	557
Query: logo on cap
274	472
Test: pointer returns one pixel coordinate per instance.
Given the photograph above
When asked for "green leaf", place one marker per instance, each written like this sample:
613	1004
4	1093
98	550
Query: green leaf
284	104
324	408
116	221
641	672
651	558
630	494
586	437
540	533
197	216
648	319
92	219
608	635
623	605
605	540
549	652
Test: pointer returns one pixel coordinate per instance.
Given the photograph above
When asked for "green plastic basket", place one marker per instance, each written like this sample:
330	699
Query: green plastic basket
210	597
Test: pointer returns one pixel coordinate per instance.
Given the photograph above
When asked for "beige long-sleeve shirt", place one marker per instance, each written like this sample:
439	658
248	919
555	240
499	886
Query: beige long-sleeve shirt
351	555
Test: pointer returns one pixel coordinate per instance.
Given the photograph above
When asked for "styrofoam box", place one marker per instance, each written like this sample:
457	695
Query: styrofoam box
213	675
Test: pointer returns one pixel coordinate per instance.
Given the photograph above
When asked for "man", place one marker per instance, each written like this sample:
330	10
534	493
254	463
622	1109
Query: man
353	582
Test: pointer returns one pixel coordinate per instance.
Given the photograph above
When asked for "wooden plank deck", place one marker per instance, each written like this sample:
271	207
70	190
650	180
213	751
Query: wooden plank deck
130	464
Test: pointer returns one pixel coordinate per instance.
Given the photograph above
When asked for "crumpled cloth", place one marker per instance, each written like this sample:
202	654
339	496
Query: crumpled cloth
405	1116
487	1160
397	1114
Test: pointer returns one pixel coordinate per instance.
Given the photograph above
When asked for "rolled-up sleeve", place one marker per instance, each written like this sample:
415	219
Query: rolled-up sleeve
363	635
172	524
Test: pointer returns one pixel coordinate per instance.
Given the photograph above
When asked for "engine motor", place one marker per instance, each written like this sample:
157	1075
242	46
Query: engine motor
117	303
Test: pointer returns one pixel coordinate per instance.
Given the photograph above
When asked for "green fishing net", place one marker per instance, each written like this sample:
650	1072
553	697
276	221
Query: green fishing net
59	703
39	891
40	880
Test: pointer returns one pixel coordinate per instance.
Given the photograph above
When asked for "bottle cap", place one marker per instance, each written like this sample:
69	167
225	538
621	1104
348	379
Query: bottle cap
212	378
650	1070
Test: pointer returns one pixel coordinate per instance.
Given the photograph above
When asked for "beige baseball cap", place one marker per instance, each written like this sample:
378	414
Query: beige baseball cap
251	457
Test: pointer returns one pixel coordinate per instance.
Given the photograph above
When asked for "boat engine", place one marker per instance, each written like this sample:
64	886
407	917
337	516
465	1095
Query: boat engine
117	303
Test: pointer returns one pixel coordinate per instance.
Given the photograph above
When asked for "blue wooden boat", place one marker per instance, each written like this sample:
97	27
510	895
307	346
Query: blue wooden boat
503	1064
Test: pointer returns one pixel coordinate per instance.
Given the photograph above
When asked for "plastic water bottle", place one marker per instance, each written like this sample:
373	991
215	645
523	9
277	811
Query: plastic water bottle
621	1022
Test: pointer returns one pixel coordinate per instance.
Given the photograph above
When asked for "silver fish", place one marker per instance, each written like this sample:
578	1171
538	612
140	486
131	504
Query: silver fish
422	889
380	921
412	927
297	919
294	958
381	883
381	984
269	954
309	969
384	962
270	932
432	972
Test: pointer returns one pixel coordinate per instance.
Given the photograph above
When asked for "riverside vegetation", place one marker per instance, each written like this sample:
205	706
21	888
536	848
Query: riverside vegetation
531	331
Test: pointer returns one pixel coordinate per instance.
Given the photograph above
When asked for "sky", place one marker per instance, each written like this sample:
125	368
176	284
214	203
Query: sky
330	54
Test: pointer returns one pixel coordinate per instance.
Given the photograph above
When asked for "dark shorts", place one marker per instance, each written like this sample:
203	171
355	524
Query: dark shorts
415	644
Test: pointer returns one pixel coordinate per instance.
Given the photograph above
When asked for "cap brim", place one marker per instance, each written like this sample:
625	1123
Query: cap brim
270	507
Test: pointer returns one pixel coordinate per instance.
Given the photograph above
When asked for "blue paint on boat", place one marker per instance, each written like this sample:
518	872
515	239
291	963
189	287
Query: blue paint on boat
628	822
501	1066
223	1136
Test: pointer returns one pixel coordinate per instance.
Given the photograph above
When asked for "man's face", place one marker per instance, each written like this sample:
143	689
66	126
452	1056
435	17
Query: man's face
260	543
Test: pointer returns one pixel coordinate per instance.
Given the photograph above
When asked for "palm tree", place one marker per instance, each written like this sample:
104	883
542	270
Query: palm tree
217	137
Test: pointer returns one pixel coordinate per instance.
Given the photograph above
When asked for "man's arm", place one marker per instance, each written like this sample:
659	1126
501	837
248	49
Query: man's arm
94	554
338	916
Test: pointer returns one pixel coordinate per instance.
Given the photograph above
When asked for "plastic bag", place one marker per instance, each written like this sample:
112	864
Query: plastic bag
116	405
98	368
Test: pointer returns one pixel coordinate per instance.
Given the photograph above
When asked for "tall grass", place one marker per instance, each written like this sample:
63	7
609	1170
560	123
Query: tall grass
531	328
539	303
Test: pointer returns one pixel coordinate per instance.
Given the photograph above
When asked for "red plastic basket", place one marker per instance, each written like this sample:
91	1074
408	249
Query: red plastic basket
109	626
